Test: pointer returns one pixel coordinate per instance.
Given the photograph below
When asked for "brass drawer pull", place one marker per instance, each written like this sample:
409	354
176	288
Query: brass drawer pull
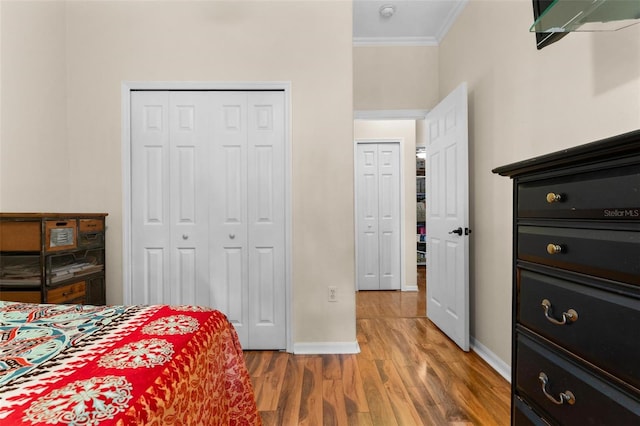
553	198
567	317
566	396
554	248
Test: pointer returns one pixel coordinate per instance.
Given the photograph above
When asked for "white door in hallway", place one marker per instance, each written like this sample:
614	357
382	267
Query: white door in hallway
208	206
378	215
447	208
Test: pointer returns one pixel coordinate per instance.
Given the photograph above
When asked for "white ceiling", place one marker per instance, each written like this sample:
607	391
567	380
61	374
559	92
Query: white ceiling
415	22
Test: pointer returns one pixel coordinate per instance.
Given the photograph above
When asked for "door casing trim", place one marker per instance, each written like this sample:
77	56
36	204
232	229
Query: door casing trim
126	88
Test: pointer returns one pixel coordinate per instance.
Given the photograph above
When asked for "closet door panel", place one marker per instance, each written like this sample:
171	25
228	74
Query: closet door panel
389	215
266	220
185	292
230	293
227	208
368	239
150	208
150	289
190	131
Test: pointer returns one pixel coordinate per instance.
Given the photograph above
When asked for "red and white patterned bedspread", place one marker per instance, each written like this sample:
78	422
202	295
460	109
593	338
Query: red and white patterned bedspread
123	365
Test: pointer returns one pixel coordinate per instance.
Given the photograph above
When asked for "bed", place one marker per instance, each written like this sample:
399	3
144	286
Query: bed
121	365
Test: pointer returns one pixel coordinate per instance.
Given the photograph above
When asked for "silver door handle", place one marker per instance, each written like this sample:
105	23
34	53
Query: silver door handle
457	231
185	237
232	236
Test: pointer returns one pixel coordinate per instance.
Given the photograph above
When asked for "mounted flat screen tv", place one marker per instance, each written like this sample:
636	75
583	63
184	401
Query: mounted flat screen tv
544	39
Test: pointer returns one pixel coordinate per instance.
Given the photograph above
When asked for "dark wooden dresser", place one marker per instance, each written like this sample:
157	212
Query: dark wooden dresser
576	285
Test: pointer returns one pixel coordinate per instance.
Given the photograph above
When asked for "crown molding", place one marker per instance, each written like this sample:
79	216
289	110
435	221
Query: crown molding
392	114
416	41
394	41
451	18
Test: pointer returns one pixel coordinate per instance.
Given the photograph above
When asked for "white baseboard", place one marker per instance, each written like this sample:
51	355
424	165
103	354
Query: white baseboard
410	288
324	348
492	359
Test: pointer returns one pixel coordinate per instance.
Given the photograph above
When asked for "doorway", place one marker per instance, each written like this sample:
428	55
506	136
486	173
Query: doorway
406	126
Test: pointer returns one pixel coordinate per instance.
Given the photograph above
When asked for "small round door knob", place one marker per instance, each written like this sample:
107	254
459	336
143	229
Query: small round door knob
185	237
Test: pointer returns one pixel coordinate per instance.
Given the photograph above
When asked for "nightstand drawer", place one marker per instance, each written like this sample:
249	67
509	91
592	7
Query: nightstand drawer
20	296
543	377
611	194
596	325
20	236
90	225
60	235
90	239
604	253
70	293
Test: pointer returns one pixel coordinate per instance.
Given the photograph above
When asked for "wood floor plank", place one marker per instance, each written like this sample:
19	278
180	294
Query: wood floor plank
355	397
291	393
311	398
263	361
401	403
360	419
271	382
477	409
331	367
334	411
415	377
377	399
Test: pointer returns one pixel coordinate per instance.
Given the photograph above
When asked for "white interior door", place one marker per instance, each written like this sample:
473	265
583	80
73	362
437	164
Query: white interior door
169	208
378	215
247	215
208	206
447	217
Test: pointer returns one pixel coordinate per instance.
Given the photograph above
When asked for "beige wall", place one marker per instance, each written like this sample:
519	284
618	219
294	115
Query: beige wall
405	130
34	156
522	103
395	77
97	45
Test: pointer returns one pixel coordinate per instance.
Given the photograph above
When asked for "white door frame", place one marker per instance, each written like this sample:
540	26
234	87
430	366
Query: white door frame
126	89
400	142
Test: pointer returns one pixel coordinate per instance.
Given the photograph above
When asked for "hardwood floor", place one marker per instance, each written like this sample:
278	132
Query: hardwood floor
407	373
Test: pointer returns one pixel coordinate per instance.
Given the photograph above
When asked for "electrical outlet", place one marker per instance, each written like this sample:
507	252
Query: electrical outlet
333	293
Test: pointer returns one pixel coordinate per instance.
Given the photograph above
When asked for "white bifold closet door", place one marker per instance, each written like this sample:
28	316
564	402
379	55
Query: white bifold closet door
378	215
208	206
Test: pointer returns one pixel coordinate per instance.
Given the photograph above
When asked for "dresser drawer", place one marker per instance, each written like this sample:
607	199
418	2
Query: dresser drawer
610	194
90	225
90	239
60	235
20	296
523	415
70	293
604	253
600	327
20	236
594	401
